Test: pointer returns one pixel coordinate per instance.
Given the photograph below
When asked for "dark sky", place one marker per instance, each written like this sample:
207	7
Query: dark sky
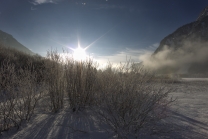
121	27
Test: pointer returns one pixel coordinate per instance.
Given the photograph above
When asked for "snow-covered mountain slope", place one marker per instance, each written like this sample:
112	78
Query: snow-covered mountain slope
203	14
187	46
195	31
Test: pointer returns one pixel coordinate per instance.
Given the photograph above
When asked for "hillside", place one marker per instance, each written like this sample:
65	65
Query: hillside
8	40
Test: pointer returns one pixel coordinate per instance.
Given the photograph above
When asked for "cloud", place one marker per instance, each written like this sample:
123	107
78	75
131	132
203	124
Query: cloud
38	2
153	47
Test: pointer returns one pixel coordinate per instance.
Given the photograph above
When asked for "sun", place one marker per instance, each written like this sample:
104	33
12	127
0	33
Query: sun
79	54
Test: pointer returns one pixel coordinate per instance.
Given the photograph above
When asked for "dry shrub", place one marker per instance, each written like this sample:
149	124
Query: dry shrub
126	98
80	82
54	78
129	101
167	78
19	94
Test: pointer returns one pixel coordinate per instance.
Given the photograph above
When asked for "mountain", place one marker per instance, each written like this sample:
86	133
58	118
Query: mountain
8	40
195	31
187	47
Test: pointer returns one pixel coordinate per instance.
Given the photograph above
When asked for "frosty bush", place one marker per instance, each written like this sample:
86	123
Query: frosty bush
126	98
19	94
54	78
129	101
80	83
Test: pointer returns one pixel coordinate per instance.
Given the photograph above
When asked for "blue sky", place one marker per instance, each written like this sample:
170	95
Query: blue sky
114	28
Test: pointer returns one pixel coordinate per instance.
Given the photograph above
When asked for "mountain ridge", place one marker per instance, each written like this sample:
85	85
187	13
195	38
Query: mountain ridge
203	13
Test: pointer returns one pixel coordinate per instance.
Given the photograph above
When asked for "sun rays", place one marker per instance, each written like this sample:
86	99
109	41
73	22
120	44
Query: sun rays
79	53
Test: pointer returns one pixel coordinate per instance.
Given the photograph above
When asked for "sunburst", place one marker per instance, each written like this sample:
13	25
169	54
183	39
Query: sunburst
79	53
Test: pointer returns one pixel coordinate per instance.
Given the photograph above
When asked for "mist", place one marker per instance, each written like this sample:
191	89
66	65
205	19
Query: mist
191	57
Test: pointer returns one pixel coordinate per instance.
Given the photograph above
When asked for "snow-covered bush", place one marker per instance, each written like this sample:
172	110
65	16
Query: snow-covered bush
19	94
126	98
54	78
80	82
129	101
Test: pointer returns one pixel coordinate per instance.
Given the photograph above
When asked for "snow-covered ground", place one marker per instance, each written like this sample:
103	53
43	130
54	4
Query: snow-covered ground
194	79
190	111
188	119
